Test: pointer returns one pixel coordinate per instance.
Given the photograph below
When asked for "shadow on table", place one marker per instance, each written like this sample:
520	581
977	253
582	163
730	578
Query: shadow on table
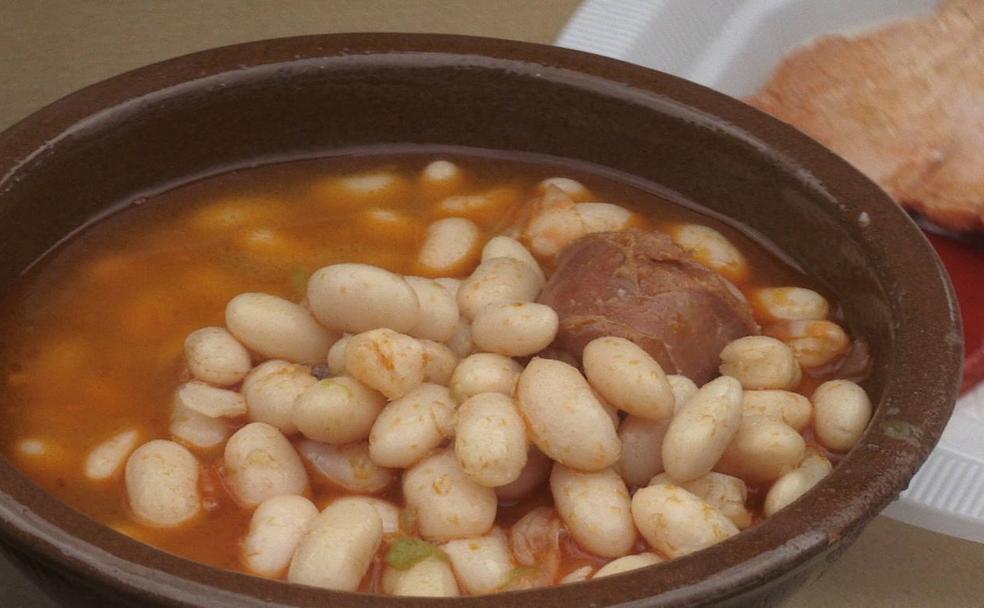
17	589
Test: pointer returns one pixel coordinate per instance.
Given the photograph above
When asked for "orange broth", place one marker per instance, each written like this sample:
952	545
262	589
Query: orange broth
94	332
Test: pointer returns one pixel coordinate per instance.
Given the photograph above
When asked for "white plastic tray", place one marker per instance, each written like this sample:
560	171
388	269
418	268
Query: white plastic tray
733	46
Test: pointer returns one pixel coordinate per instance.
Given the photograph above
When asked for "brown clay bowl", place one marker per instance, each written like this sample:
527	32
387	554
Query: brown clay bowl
298	97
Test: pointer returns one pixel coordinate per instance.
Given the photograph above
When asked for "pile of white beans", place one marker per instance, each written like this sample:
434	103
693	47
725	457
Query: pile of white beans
434	384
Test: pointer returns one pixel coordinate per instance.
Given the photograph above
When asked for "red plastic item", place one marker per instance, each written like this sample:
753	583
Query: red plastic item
965	263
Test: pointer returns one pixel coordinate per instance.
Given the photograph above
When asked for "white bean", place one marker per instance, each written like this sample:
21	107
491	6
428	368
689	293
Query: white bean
441	174
712	249
577	575
387	361
162	484
515	329
642	449
792	408
273	366
438	314
337	410
564	418
610	409
277	328
107	459
430	577
336	356
596	509
683	390
236	212
370	183
725	493
274	532
497	281
842	414
571	187
461	342
489	204
359	297
536	471
553	224
676	523
260	463
484	373
389	514
410	427
361	186
814	343
792	303
701	432
490	439
535	540
763	450
451	285
797	482
627	563
628	378
448	504
508	247
450	247
603	217
266	244
195	429
482	564
272	389
815	462
348	466
761	362
216	357
34	447
338	547
389	225
439	362
210	401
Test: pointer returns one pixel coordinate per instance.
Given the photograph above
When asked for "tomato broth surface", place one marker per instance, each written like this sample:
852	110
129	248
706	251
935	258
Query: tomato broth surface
94	332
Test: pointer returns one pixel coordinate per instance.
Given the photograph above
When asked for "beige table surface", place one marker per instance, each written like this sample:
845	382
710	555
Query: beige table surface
51	47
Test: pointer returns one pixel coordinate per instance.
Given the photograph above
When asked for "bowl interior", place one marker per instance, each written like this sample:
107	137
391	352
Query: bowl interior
146	130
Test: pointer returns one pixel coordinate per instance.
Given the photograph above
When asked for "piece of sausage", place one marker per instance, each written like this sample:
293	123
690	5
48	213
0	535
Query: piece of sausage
640	286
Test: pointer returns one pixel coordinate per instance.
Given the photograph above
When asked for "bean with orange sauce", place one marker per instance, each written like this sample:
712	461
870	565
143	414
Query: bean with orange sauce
96	348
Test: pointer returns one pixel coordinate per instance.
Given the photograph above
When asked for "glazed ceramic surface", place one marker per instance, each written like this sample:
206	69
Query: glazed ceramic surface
302	97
